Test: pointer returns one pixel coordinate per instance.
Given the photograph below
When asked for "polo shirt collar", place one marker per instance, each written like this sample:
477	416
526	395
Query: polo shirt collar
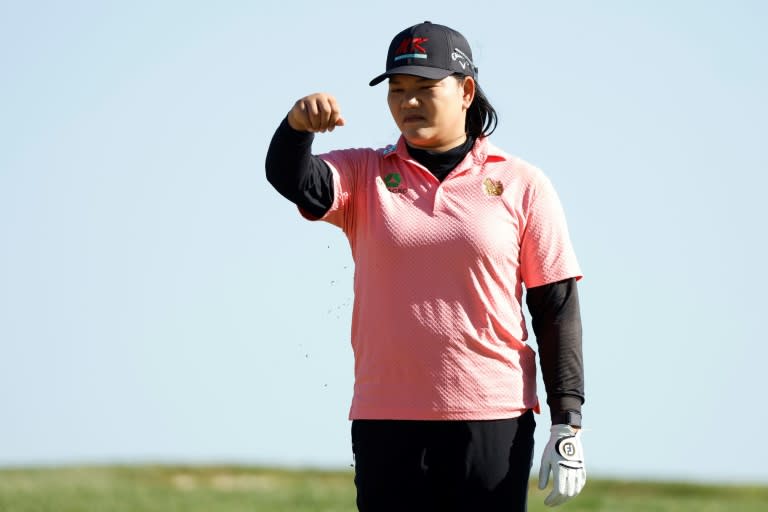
482	151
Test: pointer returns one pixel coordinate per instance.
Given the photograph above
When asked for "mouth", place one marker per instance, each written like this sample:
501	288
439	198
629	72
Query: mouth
413	119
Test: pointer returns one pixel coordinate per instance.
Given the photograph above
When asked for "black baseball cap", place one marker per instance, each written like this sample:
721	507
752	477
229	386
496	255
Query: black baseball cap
428	50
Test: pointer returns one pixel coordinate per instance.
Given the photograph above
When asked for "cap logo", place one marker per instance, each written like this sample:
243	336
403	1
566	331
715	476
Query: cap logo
410	48
461	57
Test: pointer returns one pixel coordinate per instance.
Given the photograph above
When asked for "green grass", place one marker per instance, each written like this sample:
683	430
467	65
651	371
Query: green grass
231	489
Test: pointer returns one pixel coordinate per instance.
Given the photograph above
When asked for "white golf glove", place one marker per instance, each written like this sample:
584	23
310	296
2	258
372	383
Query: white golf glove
564	457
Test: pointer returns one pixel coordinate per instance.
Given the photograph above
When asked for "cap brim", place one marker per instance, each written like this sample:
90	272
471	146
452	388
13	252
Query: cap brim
422	71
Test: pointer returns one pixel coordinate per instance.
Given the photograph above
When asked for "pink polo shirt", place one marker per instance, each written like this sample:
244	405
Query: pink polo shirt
438	330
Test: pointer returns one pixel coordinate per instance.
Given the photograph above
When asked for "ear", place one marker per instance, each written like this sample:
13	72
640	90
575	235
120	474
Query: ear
468	91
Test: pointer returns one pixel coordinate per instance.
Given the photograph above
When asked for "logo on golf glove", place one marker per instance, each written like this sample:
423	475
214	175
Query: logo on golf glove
564	458
566	447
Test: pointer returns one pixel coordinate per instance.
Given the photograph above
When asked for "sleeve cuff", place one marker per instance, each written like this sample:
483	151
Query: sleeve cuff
289	133
565	410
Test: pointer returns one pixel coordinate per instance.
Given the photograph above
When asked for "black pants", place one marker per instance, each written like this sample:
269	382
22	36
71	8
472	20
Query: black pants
445	466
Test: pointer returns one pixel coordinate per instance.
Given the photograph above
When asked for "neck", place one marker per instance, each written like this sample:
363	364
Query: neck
441	164
443	146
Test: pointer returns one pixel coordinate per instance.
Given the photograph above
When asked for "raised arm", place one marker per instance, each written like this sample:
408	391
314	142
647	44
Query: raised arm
291	168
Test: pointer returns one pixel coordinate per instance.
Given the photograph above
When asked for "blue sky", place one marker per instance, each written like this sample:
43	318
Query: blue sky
160	302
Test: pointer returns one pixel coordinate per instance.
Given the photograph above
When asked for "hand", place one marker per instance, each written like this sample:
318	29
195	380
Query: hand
317	112
564	456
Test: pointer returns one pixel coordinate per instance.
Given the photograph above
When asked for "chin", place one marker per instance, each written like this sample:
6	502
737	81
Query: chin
418	143
417	138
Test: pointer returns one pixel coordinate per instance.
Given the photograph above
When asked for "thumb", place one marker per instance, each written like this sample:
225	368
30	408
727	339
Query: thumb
543	474
339	121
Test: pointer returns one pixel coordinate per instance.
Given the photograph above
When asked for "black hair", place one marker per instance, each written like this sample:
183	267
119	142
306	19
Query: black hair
481	116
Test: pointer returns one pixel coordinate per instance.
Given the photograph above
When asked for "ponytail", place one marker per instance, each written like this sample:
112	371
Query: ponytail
481	116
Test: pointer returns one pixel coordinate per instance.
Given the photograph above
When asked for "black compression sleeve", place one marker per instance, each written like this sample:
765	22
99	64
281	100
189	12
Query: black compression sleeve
556	321
301	177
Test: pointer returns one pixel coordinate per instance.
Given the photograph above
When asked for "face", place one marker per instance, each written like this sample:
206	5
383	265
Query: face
431	113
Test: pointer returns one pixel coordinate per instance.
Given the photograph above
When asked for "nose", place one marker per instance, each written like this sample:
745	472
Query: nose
410	101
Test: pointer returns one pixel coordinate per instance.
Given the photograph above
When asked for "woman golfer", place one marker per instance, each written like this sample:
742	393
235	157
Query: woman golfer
445	230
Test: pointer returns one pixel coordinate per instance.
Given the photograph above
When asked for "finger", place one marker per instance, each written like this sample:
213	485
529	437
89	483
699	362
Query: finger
312	110
554	496
562	487
335	118
333	121
570	483
561	483
310	116
559	496
552	499
324	112
297	117
582	480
